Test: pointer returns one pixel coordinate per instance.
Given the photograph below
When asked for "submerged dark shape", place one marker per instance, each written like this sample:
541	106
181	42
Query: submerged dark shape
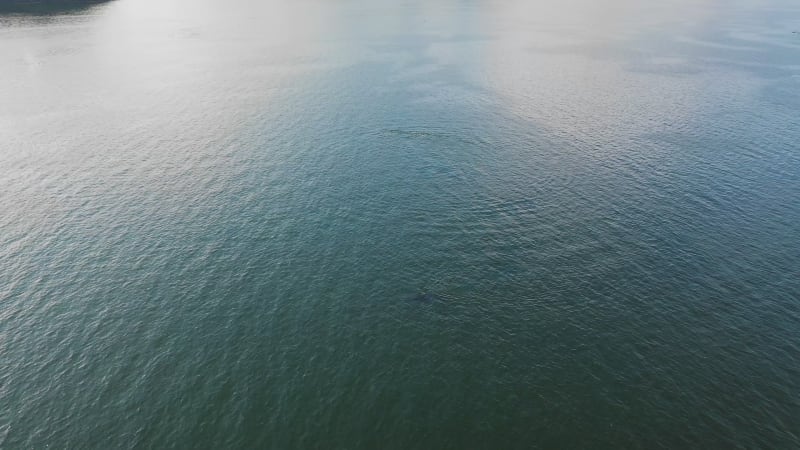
425	297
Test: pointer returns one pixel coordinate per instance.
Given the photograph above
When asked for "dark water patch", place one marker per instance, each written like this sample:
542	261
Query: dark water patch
425	298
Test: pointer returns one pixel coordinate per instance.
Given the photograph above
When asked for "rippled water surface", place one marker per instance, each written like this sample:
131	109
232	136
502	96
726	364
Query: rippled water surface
400	224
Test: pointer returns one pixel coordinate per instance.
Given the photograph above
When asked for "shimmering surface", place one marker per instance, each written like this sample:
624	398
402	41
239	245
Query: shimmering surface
373	224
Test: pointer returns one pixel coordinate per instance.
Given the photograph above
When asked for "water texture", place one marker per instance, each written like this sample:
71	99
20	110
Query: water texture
361	224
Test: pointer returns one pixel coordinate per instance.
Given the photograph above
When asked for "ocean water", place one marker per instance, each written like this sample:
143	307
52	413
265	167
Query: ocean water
374	224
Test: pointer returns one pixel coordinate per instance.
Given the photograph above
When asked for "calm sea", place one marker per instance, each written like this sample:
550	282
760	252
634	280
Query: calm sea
375	224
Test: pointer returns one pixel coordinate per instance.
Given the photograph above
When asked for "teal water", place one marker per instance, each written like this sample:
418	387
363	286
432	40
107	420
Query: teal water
400	224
